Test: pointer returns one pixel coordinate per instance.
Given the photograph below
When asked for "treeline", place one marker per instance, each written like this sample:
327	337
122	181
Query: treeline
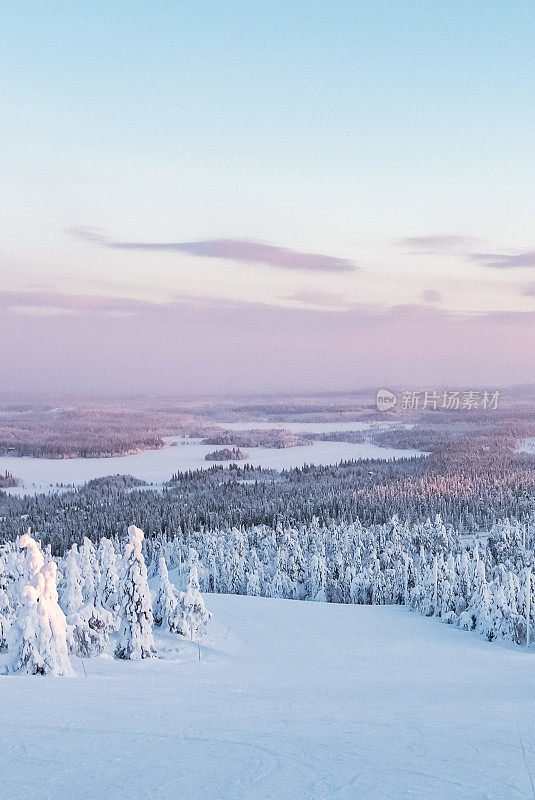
484	585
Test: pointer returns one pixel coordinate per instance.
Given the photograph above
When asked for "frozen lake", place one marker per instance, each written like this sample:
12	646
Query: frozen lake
310	427
157	466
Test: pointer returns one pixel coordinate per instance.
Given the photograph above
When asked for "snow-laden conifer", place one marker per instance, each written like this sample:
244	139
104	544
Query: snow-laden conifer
88	630
191	617
37	640
166	601
5	609
316	579
135	639
90	572
71	598
108	592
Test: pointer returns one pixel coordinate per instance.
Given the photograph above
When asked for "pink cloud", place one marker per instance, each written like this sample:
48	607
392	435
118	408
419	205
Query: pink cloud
230	249
51	303
505	261
311	297
436	244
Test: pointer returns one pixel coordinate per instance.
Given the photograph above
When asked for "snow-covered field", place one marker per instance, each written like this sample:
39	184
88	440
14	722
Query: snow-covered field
290	700
157	466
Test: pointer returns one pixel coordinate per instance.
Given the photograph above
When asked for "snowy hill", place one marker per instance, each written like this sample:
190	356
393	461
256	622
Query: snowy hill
288	700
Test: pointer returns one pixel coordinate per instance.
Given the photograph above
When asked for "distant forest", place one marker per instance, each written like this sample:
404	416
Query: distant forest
112	429
91	432
472	483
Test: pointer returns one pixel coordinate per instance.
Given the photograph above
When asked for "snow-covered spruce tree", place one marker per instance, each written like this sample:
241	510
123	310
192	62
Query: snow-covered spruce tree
90	572
191	617
253	584
211	573
34	555
334	589
109	576
4	630
71	598
154	563
276	587
379	590
165	603
135	639
477	613
37	640
316	579
5	614
15	574
5	609
88	623
255	573
447	600
88	631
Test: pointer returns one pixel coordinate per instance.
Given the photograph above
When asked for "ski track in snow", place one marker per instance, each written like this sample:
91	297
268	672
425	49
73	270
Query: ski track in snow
290	701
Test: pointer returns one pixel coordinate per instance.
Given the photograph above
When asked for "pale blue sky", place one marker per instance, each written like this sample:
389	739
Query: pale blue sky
337	128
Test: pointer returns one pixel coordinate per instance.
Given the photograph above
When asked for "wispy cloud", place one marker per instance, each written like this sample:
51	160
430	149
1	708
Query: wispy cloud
316	299
44	303
436	244
505	260
430	296
230	249
443	244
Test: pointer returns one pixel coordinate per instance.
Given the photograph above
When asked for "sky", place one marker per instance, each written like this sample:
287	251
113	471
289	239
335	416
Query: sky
254	197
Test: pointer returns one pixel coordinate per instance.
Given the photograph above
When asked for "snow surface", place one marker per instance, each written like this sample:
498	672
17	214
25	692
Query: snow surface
289	701
527	446
157	466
